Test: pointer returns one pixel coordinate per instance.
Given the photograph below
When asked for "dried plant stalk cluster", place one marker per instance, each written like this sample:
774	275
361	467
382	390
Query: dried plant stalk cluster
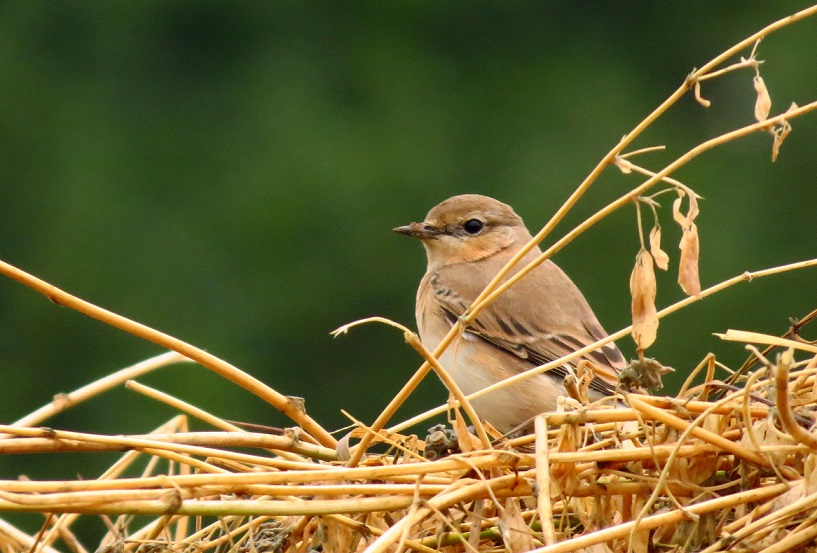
695	472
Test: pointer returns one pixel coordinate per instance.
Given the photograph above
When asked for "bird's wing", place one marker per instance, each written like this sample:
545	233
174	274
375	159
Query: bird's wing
541	318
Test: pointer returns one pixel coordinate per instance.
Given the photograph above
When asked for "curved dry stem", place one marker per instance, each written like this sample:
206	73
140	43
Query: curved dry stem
65	401
349	326
781	384
700	433
208	360
395	402
182	406
449	382
211	419
430	361
706	362
543	504
748	422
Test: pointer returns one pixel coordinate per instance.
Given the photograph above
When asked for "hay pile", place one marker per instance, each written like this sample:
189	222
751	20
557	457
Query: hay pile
694	473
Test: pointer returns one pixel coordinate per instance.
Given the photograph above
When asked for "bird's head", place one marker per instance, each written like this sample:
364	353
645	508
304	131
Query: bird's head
468	228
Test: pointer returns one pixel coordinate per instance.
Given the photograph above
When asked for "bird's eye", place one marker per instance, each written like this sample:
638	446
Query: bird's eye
473	226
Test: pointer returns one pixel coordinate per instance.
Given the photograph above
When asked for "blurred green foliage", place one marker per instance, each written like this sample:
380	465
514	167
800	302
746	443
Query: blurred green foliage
230	173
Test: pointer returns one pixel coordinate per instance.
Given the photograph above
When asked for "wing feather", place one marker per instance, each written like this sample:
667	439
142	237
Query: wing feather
542	317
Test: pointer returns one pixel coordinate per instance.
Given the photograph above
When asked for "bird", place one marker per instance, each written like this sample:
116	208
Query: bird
468	239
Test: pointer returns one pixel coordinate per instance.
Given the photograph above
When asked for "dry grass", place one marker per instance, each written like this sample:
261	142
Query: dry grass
721	465
725	465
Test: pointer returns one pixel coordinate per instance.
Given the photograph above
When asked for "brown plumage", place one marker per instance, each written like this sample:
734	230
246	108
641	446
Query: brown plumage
543	317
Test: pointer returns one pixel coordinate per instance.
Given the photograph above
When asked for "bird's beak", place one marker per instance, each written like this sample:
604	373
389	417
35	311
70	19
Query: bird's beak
418	230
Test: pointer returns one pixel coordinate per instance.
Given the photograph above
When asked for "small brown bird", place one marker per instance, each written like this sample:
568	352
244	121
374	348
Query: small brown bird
543	317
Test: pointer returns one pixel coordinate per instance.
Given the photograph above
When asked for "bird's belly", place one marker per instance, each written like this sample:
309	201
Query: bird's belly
507	407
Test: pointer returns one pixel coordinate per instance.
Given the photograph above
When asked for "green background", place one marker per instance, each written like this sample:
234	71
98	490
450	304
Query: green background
230	173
